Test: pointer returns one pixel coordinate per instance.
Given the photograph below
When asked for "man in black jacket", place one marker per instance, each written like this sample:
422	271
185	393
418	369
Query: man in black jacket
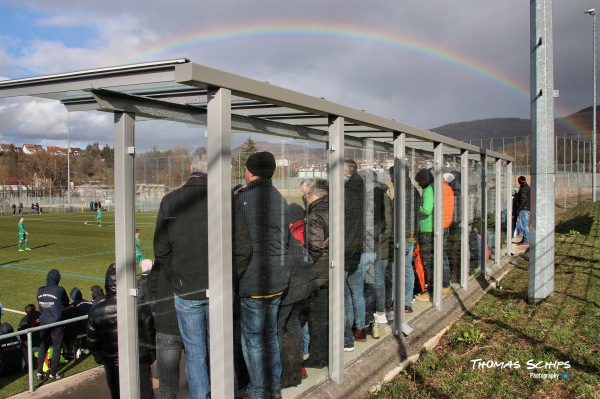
317	243
523	198
354	234
262	286
181	249
103	338
51	300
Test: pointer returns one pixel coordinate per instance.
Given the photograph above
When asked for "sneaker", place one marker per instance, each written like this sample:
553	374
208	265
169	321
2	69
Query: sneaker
27	249
349	347
408	309
276	394
55	377
390	316
447	290
40	376
424	296
360	335
305	356
381	318
21	250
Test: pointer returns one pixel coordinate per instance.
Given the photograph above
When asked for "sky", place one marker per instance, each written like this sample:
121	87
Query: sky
425	63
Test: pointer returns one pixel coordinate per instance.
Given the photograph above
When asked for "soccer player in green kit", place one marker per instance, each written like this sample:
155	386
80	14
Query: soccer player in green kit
99	217
139	256
23	235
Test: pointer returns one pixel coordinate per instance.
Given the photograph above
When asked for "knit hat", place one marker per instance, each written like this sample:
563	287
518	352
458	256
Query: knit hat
261	164
522	179
448	177
146	265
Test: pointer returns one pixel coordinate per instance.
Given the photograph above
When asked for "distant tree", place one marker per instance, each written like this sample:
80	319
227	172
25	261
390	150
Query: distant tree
239	163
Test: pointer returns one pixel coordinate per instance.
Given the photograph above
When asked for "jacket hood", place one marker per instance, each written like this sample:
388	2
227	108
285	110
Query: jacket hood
110	281
75	294
6	328
53	277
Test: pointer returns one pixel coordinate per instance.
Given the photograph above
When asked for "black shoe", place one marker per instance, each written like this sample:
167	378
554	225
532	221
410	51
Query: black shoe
408	309
40	376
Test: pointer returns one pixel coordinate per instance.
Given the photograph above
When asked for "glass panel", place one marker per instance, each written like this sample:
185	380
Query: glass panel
474	197
505	223
297	205
170	156
452	240
369	252
492	187
419	218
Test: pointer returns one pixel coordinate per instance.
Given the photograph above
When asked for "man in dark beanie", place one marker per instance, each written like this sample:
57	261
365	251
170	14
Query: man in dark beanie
523	197
262	286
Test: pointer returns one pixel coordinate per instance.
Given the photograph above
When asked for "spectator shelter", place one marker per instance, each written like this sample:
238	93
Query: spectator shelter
215	106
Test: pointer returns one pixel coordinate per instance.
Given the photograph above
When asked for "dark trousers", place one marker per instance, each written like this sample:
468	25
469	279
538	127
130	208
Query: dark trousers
169	348
54	335
426	241
318	328
111	369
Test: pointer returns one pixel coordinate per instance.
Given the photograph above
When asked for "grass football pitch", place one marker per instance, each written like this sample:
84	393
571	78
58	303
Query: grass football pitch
72	243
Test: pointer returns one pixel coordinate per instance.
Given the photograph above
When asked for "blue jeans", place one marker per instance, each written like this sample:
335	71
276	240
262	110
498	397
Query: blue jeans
192	316
354	292
168	355
409	273
446	269
524	216
380	266
260	345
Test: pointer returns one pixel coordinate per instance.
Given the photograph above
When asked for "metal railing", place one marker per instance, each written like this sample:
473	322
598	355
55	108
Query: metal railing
29	332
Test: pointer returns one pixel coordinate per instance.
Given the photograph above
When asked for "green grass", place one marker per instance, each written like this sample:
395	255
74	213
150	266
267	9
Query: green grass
562	328
70	243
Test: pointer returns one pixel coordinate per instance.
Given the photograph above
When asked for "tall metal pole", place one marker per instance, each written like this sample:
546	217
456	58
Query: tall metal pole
541	249
69	162
592	12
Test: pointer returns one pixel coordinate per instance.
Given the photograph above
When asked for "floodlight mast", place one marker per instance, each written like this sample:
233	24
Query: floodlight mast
592	12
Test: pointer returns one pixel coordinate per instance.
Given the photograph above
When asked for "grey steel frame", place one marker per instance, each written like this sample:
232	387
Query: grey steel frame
143	94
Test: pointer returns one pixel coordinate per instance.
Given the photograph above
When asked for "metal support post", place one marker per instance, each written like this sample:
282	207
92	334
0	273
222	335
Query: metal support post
336	249
464	219
125	255
219	243
400	233
498	211
438	228
541	258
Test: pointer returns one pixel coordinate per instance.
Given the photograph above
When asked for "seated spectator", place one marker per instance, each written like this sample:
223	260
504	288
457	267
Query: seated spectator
11	361
97	294
82	308
30	320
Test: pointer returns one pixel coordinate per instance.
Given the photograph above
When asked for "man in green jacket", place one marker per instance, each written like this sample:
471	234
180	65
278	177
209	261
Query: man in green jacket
23	235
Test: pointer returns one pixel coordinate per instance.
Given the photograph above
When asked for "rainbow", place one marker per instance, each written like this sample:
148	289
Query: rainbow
180	46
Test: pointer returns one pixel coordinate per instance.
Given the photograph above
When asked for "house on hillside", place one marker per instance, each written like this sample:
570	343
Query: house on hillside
7	148
31	149
54	150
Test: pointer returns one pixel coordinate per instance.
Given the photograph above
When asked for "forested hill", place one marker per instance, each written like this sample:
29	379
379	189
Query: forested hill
580	121
485	129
